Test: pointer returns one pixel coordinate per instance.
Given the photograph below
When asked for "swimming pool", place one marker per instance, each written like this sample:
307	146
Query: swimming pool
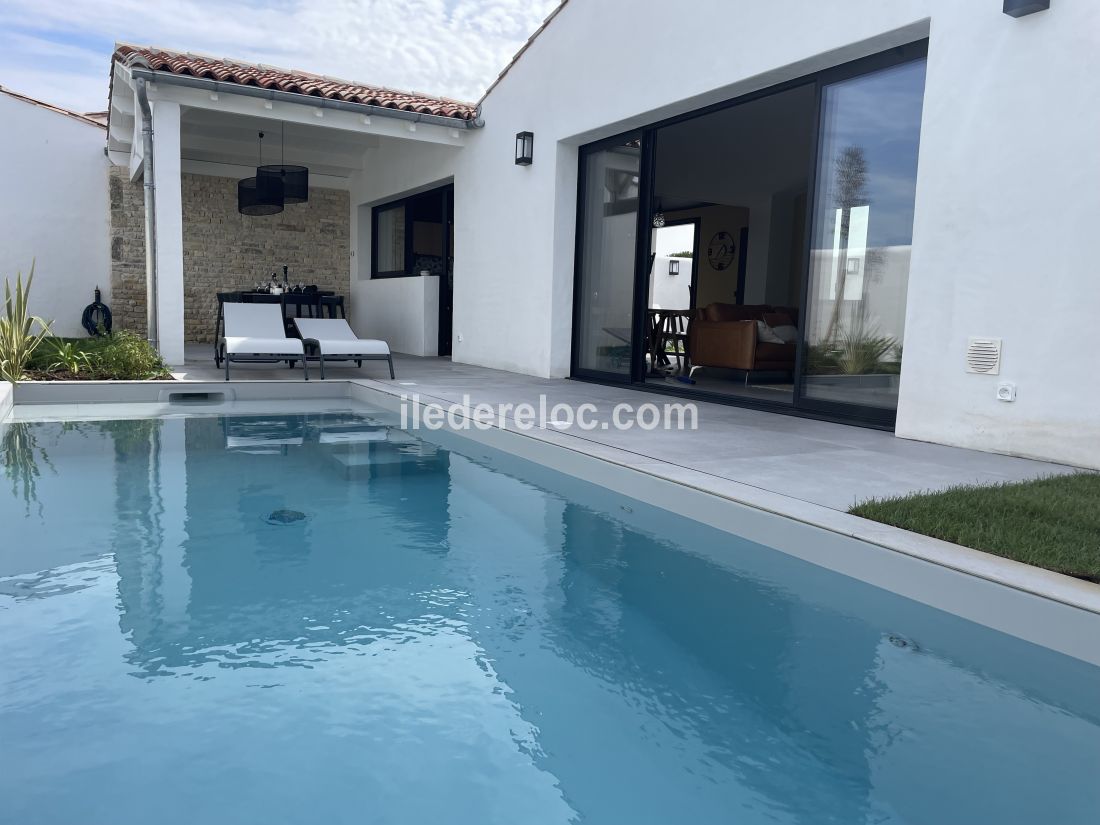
322	618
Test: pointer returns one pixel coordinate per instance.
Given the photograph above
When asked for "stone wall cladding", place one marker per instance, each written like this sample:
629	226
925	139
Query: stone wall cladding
127	251
225	251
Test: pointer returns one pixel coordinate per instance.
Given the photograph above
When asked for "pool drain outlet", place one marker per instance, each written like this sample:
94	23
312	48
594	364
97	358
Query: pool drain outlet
281	518
902	642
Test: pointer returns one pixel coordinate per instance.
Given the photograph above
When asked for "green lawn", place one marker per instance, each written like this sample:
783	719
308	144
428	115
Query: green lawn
1052	522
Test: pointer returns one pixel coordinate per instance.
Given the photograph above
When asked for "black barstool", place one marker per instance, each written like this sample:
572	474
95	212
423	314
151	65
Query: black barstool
219	324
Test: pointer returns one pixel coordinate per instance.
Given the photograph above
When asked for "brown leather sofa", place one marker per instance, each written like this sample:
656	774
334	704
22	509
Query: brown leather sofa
725	335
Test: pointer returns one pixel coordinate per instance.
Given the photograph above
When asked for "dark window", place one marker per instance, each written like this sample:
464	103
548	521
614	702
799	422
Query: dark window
407	236
389	241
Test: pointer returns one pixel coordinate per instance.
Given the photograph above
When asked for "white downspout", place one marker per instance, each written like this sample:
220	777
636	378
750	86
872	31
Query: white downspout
150	214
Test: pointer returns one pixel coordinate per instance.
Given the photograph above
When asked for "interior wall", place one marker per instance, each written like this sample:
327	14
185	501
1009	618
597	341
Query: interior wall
786	250
714	285
54	210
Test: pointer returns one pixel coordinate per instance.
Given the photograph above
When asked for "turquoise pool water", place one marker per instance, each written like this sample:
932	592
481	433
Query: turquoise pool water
323	619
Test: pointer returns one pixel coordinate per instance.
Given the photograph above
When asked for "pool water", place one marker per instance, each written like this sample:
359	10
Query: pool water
323	619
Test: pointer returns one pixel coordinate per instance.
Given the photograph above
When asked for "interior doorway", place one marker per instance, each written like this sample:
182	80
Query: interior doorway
674	251
447	278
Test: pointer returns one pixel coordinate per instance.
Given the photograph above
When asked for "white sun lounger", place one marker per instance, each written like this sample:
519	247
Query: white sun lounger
335	340
255	332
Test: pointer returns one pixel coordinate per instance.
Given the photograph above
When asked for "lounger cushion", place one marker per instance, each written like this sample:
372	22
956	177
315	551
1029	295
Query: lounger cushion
257	329
334	336
361	346
240	345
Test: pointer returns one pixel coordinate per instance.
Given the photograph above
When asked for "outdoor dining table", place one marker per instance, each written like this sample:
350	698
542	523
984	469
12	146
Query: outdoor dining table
301	301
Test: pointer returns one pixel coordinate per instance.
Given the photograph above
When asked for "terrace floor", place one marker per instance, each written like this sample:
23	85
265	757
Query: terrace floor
830	465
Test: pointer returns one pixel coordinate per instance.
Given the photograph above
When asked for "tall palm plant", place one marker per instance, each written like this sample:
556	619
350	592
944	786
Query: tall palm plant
18	338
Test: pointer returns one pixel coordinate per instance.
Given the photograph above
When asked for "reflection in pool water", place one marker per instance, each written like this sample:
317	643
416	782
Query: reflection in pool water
450	635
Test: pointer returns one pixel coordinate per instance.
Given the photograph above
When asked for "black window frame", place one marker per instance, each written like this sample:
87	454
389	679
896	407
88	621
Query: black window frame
406	202
635	379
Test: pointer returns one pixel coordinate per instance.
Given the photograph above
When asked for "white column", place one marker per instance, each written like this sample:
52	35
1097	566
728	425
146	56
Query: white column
169	229
173	582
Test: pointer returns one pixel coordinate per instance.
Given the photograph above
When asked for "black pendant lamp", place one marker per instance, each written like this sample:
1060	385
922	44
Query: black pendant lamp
260	195
295	179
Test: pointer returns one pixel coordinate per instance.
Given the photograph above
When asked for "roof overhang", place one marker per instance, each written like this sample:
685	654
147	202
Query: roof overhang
355	123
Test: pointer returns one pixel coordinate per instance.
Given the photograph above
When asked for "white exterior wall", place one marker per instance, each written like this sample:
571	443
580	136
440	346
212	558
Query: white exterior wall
1005	191
1008	198
54	210
670	291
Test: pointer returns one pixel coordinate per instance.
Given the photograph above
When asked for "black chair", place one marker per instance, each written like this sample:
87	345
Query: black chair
308	302
331	304
219	324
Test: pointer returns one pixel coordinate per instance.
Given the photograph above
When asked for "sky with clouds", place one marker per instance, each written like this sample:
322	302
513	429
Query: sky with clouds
59	50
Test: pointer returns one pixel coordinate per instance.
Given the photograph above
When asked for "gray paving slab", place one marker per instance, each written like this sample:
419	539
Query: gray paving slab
833	465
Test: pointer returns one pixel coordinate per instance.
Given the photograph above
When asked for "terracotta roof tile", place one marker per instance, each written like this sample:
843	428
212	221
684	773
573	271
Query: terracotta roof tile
299	82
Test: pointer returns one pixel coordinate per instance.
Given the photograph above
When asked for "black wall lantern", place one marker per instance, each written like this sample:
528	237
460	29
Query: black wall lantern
295	179
525	148
673	266
260	195
1022	8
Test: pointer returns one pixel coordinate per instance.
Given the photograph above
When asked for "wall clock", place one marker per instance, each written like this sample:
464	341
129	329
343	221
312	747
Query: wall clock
721	250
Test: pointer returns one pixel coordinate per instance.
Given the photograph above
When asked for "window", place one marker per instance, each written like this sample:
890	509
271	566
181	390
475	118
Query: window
407	237
389	241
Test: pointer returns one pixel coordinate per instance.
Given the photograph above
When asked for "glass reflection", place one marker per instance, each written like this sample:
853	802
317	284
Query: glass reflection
441	638
606	284
863	236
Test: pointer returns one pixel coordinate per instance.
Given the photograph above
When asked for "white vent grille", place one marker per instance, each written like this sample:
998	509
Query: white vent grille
983	355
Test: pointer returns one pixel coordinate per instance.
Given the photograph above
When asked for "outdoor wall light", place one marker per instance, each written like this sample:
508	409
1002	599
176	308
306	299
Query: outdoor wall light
525	148
673	266
1022	8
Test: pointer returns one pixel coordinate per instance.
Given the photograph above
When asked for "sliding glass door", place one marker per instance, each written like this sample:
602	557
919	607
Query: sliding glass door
862	237
604	291
802	199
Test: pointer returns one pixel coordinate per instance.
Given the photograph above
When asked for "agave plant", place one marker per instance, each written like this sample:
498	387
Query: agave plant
18	338
862	353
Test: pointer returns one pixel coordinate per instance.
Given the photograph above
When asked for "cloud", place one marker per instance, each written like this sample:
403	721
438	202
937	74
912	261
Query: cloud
59	50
